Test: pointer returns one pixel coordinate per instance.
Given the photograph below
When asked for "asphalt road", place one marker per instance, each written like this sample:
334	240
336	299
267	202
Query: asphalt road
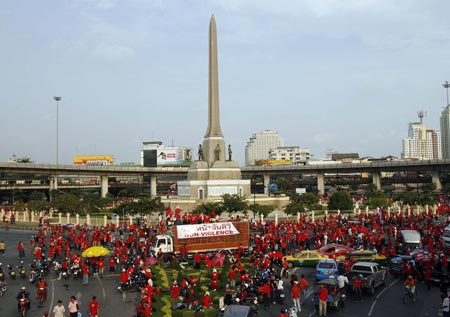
111	302
387	301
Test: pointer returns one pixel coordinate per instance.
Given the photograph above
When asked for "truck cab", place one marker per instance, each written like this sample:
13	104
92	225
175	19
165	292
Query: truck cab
163	242
411	239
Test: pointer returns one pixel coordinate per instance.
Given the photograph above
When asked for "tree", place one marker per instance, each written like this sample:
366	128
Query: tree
234	203
262	209
208	208
67	203
37	205
376	198
340	200
300	203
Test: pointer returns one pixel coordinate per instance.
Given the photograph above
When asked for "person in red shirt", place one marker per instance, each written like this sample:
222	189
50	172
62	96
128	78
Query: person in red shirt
101	267
232	276
295	295
94	307
112	264
85	273
265	292
323	296
123	276
175	292
206	300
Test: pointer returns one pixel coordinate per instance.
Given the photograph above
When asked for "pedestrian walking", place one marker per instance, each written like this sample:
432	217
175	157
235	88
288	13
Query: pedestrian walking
59	310
73	307
94	307
21	250
85	273
295	295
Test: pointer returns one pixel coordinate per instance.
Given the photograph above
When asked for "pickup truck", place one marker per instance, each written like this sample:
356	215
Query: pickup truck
374	275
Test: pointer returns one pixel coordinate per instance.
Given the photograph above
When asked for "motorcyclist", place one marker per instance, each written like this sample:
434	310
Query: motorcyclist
2	274
283	313
42	287
23	295
410	285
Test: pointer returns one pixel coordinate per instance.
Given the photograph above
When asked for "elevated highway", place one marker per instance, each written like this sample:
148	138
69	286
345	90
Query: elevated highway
435	168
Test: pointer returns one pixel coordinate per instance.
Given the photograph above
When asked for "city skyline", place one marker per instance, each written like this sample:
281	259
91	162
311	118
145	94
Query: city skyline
341	75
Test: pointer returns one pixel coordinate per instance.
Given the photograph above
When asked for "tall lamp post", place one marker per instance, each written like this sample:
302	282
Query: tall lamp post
57	99
446	85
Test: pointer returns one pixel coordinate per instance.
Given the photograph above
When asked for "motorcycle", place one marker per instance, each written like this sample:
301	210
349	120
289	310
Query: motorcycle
22	270
76	272
35	275
23	306
41	296
11	272
2	287
279	296
409	296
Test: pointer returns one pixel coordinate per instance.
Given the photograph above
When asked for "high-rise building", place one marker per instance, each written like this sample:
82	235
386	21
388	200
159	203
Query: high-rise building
421	143
293	153
260	144
445	132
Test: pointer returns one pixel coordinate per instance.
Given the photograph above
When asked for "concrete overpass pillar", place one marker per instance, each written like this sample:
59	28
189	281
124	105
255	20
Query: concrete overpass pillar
376	180
104	190
435	178
152	186
266	183
321	183
53	182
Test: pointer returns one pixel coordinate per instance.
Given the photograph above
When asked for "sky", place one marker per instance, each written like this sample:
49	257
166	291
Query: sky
346	75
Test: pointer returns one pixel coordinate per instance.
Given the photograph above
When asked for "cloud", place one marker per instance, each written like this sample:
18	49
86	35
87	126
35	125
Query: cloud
113	52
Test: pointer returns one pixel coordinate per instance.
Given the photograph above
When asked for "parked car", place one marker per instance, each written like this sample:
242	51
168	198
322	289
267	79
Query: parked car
305	258
335	250
326	268
373	275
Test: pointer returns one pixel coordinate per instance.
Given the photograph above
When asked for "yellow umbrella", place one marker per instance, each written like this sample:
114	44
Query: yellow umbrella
94	252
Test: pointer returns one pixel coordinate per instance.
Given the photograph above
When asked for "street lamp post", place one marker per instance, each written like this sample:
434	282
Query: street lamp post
446	85
57	99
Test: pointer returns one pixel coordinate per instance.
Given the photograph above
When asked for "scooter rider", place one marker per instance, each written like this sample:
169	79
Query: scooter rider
42	287
23	295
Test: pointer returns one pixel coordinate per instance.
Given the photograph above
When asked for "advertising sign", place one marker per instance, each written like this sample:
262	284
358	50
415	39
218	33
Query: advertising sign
169	156
206	230
93	160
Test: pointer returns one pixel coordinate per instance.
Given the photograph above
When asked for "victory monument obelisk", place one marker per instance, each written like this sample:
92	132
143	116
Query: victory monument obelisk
212	176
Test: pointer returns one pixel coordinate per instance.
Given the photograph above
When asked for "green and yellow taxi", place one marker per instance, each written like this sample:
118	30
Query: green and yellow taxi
363	255
305	258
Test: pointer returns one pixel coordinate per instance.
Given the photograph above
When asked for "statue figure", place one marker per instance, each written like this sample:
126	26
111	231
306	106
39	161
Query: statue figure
200	152
217	153
230	152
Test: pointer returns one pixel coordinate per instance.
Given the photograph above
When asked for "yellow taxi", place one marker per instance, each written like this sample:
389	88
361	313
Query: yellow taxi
305	258
363	255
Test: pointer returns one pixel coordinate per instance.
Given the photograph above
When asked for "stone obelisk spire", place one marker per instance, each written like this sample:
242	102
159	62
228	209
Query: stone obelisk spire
213	142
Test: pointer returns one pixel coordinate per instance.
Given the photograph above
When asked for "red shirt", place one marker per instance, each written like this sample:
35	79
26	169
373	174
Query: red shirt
323	294
93	307
295	292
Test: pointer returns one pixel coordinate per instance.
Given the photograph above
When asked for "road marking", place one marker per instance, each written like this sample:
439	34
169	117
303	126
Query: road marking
393	282
101	284
371	308
381	293
53	294
312	313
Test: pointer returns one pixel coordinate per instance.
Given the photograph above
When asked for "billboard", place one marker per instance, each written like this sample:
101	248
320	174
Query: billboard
169	156
93	160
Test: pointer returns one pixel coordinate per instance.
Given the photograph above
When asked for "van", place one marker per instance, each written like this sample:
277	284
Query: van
411	239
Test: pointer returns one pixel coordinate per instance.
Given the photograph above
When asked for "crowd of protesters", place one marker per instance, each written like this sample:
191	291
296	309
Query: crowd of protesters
262	280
